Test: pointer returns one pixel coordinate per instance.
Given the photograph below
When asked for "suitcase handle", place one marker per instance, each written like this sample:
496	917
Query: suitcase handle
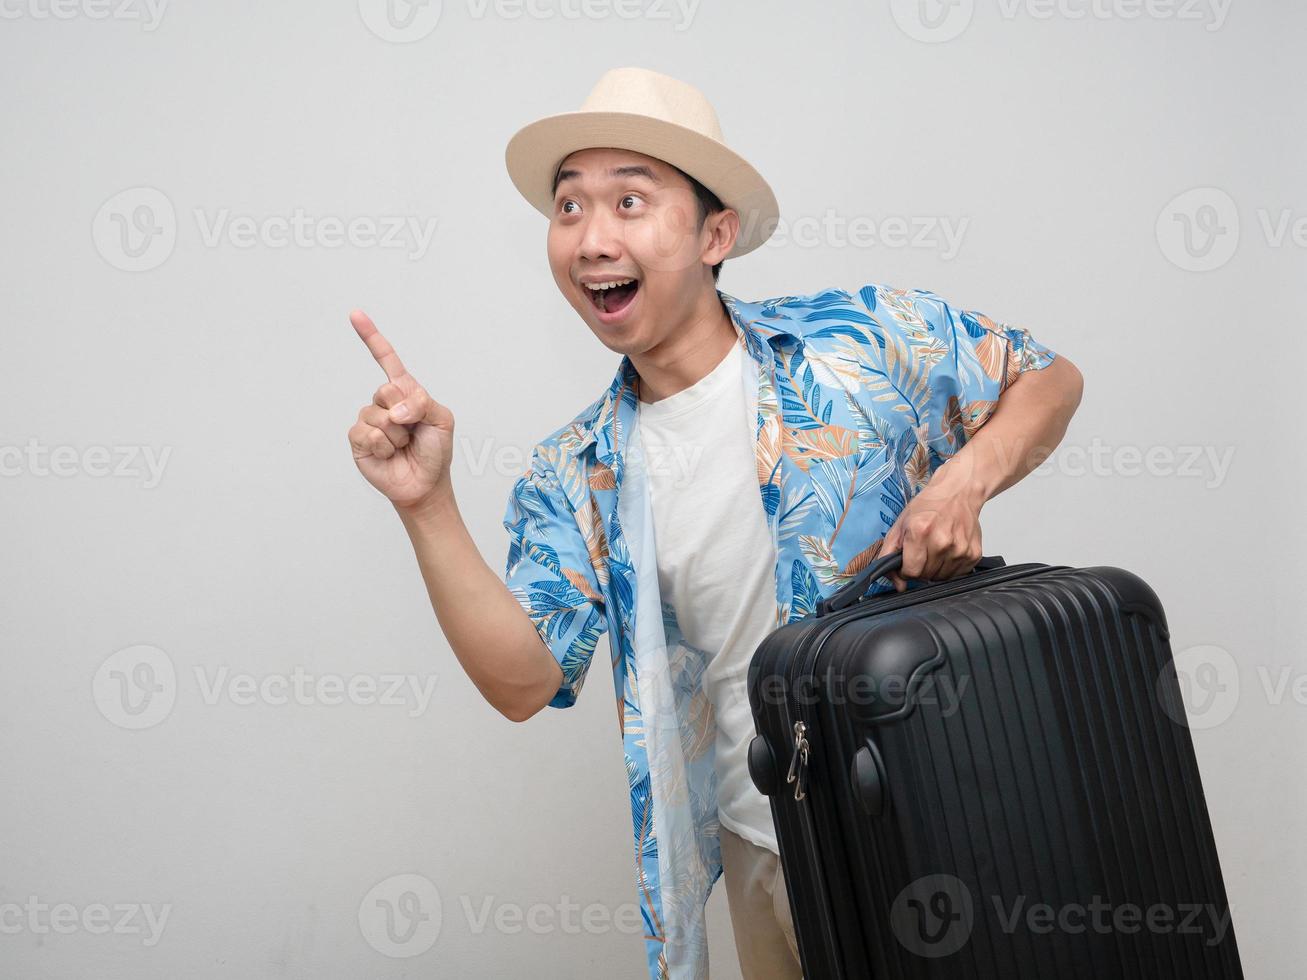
851	593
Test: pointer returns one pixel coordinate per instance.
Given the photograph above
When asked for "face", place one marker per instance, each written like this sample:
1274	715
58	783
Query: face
618	216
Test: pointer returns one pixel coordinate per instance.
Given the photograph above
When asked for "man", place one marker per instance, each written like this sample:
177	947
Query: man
746	460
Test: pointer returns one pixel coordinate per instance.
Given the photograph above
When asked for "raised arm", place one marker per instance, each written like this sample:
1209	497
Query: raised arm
402	444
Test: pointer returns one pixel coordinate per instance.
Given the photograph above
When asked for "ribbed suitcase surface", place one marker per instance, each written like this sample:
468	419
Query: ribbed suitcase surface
994	780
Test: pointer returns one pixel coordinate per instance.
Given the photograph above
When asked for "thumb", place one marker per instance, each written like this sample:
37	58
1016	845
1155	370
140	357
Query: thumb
421	407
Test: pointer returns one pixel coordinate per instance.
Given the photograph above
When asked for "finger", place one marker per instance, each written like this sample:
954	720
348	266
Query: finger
934	555
411	409
894	542
963	565
368	440
421	407
378	417
914	557
388	395
381	350
952	567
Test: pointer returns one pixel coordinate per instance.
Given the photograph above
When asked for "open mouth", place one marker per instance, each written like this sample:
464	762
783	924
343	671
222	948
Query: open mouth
615	297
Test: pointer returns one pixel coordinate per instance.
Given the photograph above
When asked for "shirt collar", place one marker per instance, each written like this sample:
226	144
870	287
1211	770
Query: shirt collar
761	324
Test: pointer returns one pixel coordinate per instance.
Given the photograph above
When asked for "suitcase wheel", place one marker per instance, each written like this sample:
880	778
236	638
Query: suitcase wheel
867	774
762	766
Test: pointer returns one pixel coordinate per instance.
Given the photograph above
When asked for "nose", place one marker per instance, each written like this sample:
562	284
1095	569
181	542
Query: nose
601	238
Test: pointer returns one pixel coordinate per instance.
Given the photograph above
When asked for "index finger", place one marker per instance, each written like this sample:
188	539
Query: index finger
381	350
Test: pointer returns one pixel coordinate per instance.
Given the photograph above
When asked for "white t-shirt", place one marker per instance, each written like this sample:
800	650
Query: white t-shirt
716	560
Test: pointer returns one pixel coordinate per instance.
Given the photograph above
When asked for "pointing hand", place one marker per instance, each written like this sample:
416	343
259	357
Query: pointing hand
402	441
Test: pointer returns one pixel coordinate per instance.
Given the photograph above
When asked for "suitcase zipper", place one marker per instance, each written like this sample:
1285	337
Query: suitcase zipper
798	770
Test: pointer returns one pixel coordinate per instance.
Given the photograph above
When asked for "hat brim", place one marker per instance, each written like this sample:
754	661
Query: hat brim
536	150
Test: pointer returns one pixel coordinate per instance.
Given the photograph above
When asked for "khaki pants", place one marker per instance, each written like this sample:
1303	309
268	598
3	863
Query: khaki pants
760	910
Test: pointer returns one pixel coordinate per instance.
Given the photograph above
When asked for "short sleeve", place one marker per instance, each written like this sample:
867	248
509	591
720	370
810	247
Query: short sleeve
960	361
548	571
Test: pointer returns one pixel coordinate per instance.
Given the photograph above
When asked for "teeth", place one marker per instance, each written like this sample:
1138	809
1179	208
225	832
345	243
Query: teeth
596	286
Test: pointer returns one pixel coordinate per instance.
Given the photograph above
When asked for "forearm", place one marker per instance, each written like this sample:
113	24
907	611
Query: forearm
1029	421
487	628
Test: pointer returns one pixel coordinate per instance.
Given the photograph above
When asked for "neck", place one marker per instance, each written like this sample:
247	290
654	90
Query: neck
690	352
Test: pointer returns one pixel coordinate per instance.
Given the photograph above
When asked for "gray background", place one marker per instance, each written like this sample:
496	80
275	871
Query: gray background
1065	142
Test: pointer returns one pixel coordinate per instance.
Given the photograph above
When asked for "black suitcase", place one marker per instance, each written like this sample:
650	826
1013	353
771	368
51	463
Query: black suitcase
988	777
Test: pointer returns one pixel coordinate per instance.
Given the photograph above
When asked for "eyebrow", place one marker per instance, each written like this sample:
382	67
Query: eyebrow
631	170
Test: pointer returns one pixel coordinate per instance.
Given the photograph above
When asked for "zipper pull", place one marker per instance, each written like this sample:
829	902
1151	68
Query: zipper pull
798	773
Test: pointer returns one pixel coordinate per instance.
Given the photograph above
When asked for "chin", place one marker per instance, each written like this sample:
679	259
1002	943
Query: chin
617	341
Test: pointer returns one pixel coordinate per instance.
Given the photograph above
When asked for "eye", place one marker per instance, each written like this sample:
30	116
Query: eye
629	197
563	206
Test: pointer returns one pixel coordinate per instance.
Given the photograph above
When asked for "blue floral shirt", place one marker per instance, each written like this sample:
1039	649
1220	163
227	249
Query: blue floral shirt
860	398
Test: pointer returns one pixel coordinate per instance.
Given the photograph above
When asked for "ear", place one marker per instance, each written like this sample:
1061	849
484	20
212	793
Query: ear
720	231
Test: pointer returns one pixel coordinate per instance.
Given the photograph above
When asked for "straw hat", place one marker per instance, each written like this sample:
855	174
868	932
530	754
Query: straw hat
654	114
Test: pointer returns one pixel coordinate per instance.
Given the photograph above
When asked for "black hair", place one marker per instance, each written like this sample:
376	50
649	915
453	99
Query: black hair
708	203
